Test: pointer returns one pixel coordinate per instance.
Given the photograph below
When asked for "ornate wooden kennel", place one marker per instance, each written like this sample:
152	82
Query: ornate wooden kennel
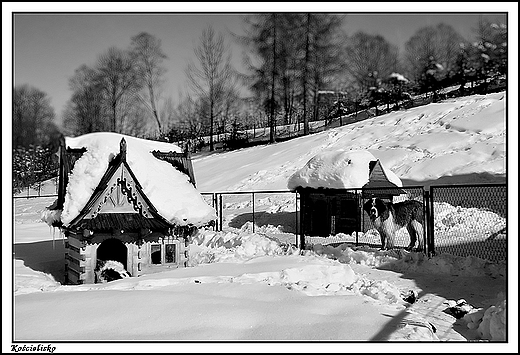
119	225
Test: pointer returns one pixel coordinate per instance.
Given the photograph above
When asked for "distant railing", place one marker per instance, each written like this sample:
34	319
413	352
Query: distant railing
35	190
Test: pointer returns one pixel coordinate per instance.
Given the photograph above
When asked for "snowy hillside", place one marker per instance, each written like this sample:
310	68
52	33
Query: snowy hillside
255	286
458	137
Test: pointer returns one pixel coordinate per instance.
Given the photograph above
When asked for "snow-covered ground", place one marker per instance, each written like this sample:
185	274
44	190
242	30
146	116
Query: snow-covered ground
464	137
245	285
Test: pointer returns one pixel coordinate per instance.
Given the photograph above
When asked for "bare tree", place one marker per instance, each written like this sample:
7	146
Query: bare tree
440	44
33	116
292	57
489	52
147	54
213	74
369	57
325	57
85	110
118	80
305	76
263	38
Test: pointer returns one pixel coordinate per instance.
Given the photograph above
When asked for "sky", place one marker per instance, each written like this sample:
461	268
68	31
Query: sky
240	282
48	46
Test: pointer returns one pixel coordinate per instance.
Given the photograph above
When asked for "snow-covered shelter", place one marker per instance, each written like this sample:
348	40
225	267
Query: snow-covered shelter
125	199
331	186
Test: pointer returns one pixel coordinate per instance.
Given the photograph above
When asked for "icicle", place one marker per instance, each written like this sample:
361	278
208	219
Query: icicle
53	246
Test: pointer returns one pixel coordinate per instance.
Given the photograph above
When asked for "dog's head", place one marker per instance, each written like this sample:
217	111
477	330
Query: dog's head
374	207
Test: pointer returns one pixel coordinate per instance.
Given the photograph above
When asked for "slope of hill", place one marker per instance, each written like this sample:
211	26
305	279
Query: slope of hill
463	138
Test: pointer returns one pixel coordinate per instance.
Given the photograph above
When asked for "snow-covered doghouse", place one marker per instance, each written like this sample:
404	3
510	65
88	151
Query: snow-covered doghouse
331	186
125	200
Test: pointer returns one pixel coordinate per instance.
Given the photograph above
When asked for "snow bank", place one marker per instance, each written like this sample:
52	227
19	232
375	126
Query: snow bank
29	281
465	223
210	247
361	255
168	189
403	261
491	322
448	264
337	169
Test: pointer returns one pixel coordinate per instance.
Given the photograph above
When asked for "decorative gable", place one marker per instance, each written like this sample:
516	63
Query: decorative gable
120	196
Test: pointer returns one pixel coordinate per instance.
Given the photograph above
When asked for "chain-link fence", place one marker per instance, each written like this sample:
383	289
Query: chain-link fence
470	220
463	220
272	213
338	216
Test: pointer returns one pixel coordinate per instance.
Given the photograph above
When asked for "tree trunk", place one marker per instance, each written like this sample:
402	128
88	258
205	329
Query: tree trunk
211	147
272	123
114	116
305	74
154	108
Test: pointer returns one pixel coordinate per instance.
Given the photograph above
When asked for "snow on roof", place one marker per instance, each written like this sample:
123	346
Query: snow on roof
168	189
337	169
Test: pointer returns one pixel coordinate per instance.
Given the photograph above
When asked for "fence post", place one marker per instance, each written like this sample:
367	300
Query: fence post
214	203
220	212
430	222
253	198
302	222
296	226
426	231
360	218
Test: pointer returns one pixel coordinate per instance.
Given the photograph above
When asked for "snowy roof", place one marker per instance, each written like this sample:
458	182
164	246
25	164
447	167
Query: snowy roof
338	169
169	190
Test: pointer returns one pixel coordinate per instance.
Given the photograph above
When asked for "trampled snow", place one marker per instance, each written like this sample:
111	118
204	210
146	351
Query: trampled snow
245	285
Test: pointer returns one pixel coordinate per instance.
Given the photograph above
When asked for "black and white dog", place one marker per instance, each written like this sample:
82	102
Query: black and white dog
389	217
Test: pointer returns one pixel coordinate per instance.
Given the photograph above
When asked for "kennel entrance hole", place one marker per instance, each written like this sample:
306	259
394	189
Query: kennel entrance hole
112	249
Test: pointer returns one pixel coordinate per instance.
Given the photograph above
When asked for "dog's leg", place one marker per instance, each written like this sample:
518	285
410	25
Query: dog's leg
418	228
389	243
389	230
383	240
413	236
